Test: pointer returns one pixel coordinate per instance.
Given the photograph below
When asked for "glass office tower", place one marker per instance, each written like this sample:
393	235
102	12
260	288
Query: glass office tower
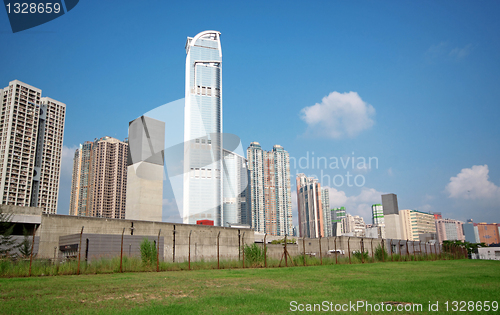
202	191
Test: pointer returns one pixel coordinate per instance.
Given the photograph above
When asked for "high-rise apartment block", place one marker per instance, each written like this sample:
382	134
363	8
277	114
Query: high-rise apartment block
449	229
377	215
99	183
203	195
337	215
80	184
31	138
327	213
270	191
415	223
353	225
311	220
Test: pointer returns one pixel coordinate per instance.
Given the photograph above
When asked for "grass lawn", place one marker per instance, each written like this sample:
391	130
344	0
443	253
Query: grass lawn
256	291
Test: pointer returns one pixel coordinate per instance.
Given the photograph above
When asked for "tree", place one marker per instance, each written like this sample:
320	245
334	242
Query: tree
471	247
25	246
7	243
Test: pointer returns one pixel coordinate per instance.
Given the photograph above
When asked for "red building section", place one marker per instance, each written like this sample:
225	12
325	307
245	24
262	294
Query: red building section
205	222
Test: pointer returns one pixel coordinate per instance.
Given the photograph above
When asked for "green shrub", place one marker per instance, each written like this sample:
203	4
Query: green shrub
254	254
381	254
148	252
357	255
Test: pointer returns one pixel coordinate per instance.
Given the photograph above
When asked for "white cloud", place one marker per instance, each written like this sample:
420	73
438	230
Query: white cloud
461	53
438	50
473	183
356	205
390	172
338	115
444	50
425	208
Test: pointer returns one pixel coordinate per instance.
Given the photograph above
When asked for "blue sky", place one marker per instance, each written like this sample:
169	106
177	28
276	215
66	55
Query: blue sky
424	77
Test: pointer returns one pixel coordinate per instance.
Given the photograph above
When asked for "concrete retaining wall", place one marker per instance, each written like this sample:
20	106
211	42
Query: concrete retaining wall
203	238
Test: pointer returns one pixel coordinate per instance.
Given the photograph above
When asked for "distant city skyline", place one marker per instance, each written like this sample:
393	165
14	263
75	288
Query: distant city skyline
412	84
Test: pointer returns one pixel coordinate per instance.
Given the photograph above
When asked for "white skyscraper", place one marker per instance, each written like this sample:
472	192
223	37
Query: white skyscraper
203	175
309	204
235	207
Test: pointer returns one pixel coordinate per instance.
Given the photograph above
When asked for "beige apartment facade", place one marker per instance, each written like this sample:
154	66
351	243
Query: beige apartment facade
270	190
449	229
31	139
414	222
99	184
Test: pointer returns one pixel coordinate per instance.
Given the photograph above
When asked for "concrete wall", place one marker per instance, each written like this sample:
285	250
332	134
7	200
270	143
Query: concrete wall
96	246
203	238
312	246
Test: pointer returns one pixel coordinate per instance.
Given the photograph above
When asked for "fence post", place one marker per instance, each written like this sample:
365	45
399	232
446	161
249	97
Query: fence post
362	250
286	258
390	245
413	246
32	249
399	250
55	252
304	248
407	249
320	253
383	251
157	252
218	259
189	251
243	241
121	252
420	248
336	255
265	250
371	245
79	251
173	245
349	249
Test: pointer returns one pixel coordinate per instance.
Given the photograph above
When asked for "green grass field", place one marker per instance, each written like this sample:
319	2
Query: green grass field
256	291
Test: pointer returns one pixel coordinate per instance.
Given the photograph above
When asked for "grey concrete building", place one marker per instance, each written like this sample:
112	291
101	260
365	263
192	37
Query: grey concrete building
390	204
145	169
